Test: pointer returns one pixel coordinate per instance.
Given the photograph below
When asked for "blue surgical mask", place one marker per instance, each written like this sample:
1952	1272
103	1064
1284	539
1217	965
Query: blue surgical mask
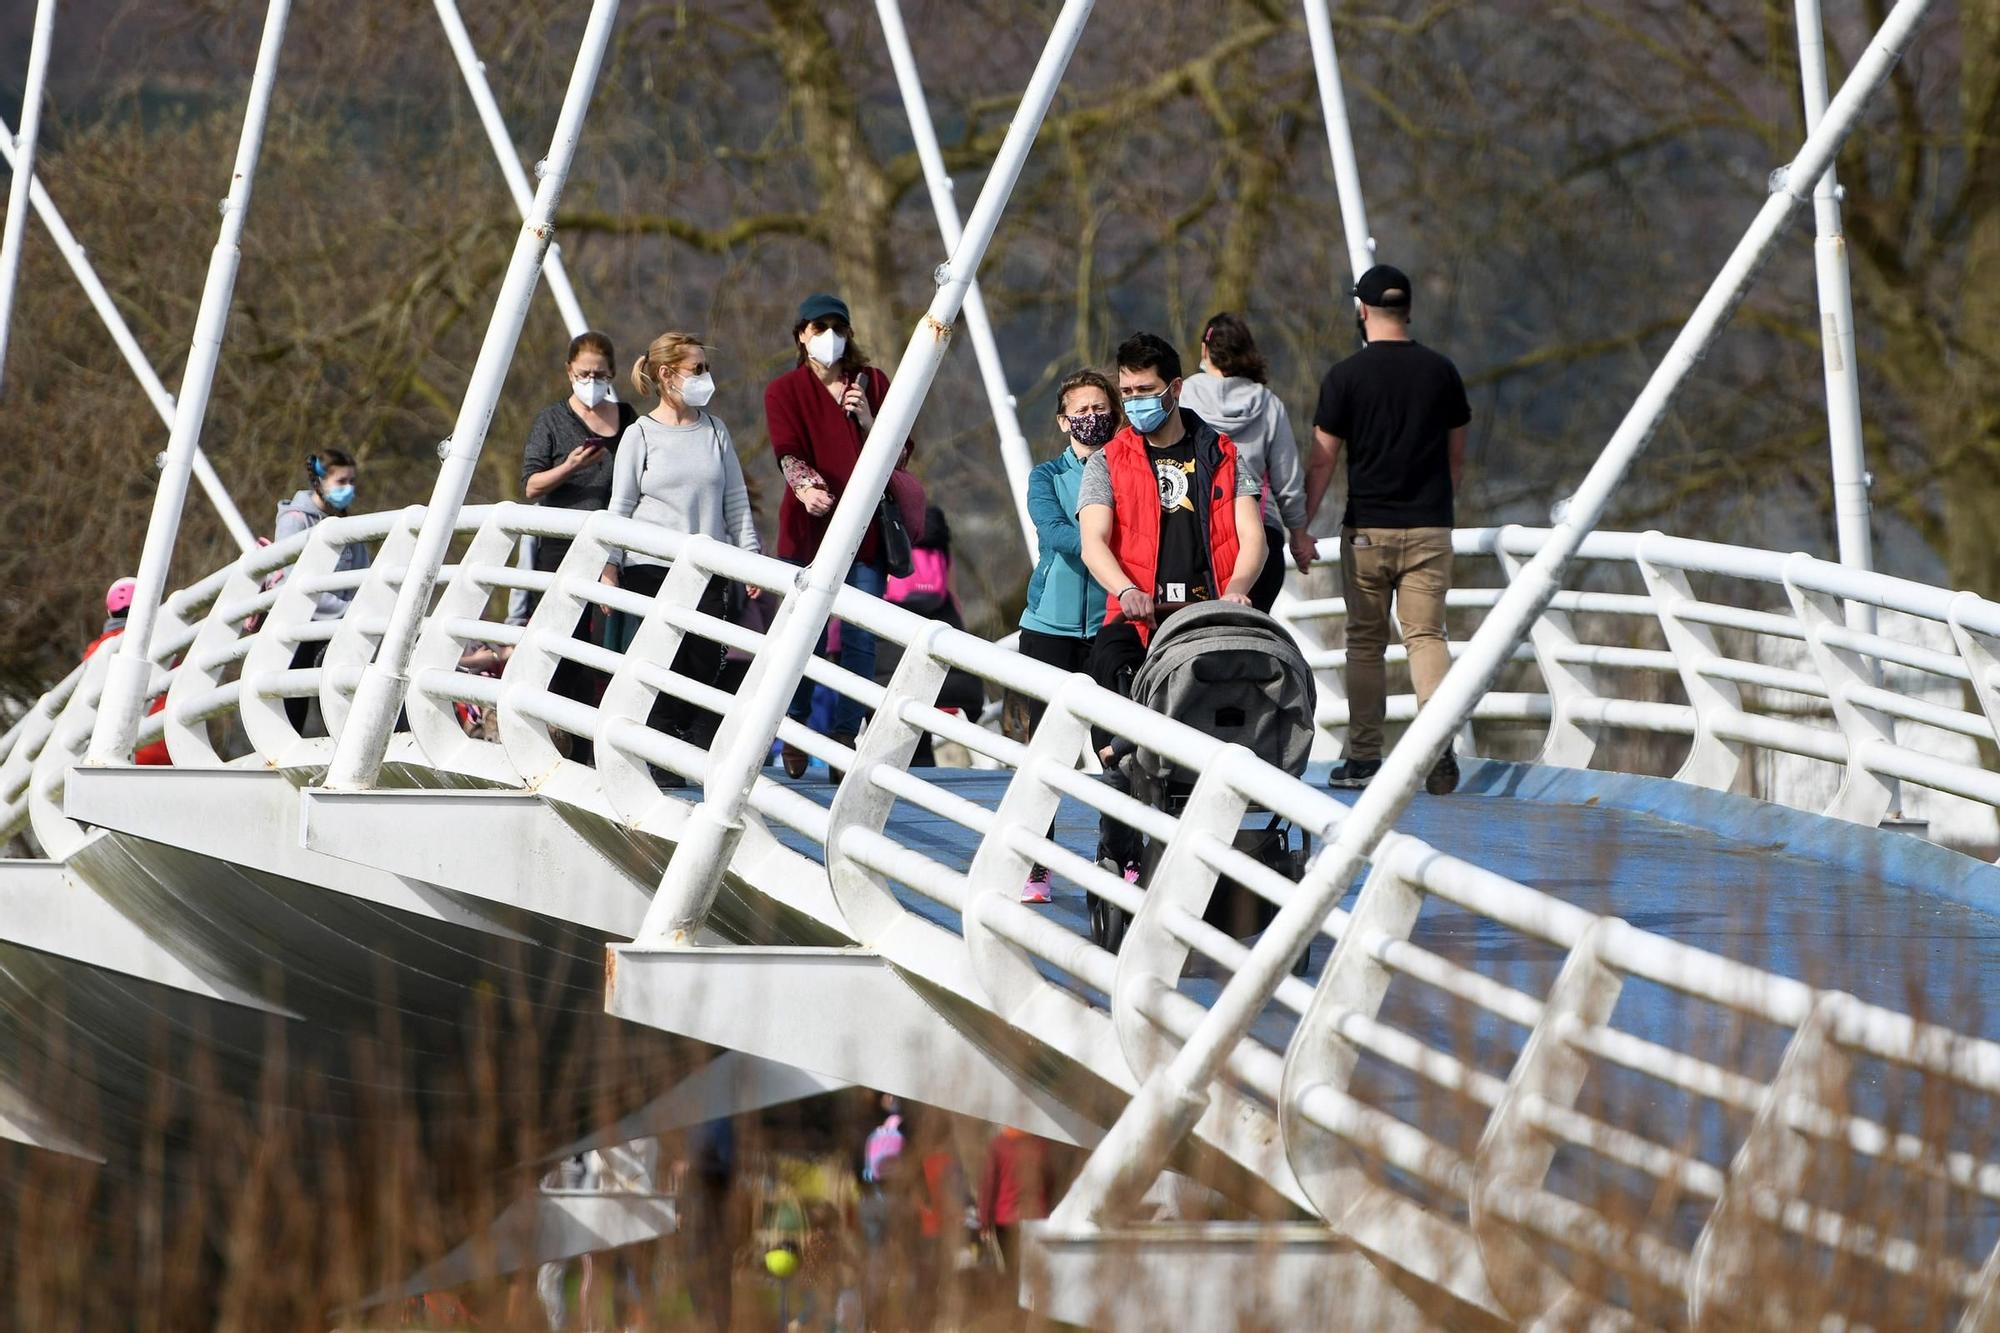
339	497
1147	414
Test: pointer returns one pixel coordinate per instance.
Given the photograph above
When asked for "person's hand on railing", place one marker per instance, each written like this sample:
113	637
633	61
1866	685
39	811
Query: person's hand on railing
610	574
1240	598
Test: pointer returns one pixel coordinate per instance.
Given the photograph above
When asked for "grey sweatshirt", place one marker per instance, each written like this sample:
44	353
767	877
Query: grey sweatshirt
300	513
684	478
1255	418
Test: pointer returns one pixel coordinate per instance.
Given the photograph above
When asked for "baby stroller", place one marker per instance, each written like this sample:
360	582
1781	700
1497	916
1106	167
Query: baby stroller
1232	672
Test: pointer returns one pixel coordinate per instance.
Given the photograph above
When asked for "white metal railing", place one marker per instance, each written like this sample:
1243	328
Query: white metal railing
1762	662
1289	1106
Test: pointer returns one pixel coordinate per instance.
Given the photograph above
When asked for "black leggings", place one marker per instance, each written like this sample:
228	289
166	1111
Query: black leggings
1271	578
301	709
697	658
1114	661
1020	714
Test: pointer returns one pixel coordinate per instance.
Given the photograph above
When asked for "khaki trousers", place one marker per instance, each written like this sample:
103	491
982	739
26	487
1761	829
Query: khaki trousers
1413	566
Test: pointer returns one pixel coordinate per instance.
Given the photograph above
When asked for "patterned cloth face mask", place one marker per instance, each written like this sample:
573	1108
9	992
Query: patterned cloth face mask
1092	430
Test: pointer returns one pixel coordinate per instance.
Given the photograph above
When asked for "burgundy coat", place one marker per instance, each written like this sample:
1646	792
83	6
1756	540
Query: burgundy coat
808	424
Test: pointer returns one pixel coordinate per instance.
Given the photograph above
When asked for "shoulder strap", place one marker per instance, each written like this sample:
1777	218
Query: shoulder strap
645	448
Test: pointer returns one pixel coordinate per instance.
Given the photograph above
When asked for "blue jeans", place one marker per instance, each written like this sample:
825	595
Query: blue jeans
857	654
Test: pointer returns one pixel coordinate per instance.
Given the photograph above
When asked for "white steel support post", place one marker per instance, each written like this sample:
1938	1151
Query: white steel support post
125	687
1014	455
1836	318
357	755
509	158
1167	1106
121	334
709	837
16	229
1339	140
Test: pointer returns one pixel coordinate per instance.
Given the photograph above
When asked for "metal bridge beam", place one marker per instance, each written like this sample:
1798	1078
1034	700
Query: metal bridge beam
504	847
179	807
48	908
842	1013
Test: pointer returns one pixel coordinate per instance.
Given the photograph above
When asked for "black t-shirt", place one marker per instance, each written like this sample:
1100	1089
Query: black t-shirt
557	431
1182	575
1395	404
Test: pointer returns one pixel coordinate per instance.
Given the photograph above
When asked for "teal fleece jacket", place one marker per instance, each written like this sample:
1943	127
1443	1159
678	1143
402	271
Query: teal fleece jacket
1063	599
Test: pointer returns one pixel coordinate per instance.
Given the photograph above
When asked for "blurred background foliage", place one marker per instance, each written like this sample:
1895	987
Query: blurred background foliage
1561	179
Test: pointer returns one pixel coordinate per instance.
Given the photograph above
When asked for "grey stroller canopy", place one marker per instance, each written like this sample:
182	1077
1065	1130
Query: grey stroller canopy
1233	672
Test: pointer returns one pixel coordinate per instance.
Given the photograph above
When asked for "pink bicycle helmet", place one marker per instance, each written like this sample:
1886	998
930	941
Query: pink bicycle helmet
118	597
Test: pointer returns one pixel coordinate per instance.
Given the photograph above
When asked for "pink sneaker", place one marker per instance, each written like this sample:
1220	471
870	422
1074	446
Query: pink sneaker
1036	890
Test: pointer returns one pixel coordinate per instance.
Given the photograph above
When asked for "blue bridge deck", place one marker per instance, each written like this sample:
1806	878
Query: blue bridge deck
1883	915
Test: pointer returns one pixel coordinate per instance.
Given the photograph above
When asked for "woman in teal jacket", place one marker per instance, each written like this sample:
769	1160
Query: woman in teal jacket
1065	605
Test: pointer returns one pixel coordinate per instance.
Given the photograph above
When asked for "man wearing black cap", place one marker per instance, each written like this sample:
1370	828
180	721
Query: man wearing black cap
1398	410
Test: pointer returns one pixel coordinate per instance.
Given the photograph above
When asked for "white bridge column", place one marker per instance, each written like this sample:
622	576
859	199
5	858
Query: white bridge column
474	71
357	756
125	687
107	310
1836	316
16	229
712	830
1339	139
1014	455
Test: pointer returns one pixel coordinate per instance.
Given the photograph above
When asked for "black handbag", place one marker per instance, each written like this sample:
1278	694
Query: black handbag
896	557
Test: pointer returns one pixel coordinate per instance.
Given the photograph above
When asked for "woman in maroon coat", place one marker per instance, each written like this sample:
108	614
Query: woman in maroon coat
819	417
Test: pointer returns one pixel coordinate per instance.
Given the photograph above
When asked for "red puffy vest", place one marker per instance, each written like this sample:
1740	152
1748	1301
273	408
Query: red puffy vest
1135	508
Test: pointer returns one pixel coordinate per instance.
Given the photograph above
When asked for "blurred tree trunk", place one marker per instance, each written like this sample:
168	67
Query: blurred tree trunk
1938	312
855	201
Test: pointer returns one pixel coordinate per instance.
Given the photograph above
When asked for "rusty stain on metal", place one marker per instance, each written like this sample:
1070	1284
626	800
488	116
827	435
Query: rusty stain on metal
610	972
938	329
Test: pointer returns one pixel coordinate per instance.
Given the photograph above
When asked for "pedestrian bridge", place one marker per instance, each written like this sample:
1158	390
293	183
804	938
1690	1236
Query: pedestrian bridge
1579	1043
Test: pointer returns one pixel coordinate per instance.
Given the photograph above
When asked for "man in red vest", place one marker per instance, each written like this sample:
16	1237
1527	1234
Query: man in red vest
1166	516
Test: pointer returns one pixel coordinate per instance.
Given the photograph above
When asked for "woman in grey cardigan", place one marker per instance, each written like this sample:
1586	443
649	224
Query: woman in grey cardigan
1233	395
677	467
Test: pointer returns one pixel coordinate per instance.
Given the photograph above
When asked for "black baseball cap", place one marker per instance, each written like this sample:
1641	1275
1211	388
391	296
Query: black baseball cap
823	305
1385	287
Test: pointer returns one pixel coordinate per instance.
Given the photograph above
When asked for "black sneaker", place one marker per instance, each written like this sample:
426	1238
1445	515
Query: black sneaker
1443	777
1354	773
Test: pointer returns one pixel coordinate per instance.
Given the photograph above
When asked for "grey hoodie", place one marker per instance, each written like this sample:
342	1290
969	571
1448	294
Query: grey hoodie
298	514
1255	419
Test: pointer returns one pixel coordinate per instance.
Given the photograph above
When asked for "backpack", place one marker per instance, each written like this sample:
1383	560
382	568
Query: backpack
927	586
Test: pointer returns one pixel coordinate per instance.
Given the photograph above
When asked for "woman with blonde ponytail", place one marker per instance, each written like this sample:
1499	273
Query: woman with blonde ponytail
677	467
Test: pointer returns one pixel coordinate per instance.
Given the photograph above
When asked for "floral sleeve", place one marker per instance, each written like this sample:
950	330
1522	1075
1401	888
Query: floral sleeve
799	474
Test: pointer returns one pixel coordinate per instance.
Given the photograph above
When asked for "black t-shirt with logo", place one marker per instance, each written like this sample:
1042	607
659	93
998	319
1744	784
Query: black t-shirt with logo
1395	404
1183	574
